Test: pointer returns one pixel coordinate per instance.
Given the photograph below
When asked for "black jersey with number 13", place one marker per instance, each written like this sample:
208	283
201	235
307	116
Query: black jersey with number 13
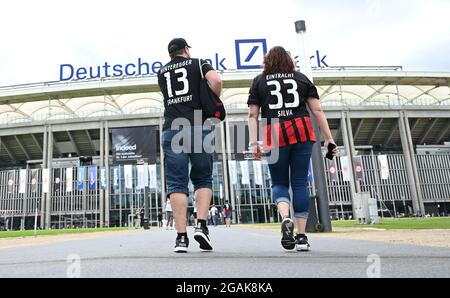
179	81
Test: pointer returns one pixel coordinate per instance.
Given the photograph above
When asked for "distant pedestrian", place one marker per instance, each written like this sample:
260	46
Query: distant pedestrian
227	213
160	218
215	215
169	214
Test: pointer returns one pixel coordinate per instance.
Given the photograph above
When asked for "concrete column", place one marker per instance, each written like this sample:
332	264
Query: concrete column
49	166
352	149
229	157
348	152
414	164
163	173
224	162
44	165
408	152
108	172
102	164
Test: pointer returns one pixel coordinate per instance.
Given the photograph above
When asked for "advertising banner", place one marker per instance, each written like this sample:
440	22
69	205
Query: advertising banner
134	143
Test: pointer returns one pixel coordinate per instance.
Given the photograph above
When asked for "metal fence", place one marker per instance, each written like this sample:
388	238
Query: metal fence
434	175
78	204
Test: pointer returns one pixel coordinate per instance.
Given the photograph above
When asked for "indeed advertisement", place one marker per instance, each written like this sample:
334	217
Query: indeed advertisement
135	143
249	54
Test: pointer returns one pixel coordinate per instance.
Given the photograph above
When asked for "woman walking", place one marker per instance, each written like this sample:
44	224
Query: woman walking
282	94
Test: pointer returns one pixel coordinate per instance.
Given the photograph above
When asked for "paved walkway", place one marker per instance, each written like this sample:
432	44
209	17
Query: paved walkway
239	252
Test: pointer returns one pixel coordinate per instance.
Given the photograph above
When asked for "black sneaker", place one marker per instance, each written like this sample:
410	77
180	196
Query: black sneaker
181	245
301	243
201	235
287	232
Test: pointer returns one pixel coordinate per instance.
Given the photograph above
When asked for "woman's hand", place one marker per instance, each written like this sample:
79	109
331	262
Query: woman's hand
331	141
256	151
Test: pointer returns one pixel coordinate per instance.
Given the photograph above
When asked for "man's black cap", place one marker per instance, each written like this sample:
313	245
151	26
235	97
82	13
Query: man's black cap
177	44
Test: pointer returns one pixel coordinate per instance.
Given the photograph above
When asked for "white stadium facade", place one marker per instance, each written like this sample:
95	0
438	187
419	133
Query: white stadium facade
57	163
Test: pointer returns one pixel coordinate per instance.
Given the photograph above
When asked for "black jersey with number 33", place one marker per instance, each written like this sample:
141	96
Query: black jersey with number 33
179	81
284	97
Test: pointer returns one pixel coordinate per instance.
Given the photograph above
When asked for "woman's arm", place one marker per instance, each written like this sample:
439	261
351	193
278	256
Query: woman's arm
253	121
321	119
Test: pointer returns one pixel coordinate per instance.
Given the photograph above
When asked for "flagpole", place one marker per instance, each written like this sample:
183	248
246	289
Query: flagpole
35	222
320	184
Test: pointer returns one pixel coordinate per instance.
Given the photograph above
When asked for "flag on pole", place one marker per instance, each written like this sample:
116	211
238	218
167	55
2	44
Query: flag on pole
265	163
116	178
146	175
332	168
45	180
93	178
245	172
257	170
103	179
357	161
345	168
232	170
384	167
153	176
128	173
11	175
140	177
34	180
80	179
22	181
69	179
57	179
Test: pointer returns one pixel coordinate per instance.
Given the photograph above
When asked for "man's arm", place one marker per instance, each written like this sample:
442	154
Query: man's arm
215	82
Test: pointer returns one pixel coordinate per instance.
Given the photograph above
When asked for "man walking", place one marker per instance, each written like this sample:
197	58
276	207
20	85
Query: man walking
179	81
169	214
215	215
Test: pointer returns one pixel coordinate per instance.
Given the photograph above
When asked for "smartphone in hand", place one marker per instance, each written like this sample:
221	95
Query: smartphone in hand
331	147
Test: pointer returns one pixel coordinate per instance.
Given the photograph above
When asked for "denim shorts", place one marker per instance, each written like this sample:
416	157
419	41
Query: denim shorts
182	149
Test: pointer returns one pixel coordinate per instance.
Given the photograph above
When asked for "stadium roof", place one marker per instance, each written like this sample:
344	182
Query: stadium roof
372	97
339	87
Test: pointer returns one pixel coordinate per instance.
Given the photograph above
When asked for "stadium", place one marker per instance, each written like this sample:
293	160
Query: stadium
59	164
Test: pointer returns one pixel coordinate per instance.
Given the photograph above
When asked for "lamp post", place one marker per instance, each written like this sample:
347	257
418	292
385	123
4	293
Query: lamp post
320	182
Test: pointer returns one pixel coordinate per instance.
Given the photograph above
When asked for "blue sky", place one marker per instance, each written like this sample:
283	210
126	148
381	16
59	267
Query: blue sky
37	36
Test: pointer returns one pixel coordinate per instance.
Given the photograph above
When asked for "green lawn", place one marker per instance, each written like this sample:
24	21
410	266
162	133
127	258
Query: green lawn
15	234
402	223
387	223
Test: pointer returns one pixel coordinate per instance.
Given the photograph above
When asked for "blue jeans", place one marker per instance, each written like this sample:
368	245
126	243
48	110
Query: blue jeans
293	160
177	163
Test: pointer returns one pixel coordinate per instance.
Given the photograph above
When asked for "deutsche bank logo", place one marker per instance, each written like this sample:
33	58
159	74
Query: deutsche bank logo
250	53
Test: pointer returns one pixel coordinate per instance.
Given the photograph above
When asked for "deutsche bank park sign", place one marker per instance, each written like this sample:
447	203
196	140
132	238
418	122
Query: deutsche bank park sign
249	56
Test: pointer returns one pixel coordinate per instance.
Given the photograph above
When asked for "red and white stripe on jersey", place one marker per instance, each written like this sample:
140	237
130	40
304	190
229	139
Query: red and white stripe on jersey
289	132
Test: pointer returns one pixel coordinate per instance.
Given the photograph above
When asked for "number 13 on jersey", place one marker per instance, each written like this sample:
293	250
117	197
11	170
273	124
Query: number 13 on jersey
183	80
